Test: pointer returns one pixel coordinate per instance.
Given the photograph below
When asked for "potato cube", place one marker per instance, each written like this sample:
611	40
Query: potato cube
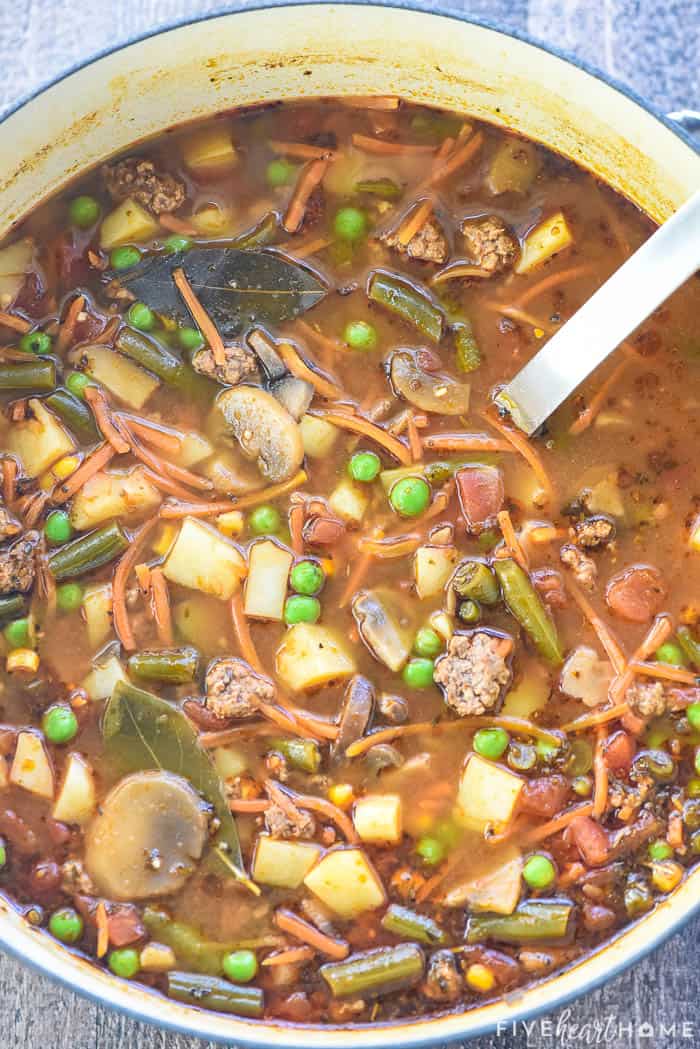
349	501
346	882
31	767
283	864
99	683
121	376
76	799
97	609
129	222
39	441
545	240
487	794
378	818
210	152
432	567
311	655
266	585
110	494
494	882
202	559
318	436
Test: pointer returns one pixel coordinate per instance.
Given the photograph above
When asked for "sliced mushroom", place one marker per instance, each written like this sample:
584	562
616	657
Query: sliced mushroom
264	348
149	834
356	713
231	474
294	394
379	623
264	429
429	391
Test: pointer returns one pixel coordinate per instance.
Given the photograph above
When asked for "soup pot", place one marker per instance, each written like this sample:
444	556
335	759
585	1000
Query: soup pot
197	69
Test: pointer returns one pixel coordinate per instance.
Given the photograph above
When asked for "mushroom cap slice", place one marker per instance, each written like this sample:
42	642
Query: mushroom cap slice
264	429
429	391
149	834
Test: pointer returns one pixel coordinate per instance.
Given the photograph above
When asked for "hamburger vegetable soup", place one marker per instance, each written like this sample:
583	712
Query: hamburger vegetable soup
326	695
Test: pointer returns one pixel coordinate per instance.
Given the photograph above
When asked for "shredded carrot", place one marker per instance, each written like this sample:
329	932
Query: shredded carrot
293	925
559	823
461	156
94	462
428	887
310	176
465	442
516	726
607	639
66	333
383	103
665	672
166	484
296	517
292	956
242	633
108	332
301	150
596	717
310	247
273	491
390	546
162	466
361	425
600	775
383	148
414	222
542	534
415	442
589	413
460	270
659	632
161	606
173	511
129	560
511	540
143	576
522	445
329	347
9	480
356	578
331	812
570	874
200	316
34	508
250	806
516	314
104	419
176	225
152	433
553	280
102	923
8	320
291	357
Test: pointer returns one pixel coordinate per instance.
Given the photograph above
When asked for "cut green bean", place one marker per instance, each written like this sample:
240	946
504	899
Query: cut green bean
401	921
11	606
74	413
161	361
39	375
474	581
88	552
407	302
525	605
302	754
193	950
690	646
534	921
208	992
171	666
375	972
468	355
384	188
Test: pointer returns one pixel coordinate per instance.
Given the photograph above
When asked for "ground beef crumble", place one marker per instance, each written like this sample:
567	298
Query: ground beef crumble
9	526
18	564
233	689
647	699
474	671
593	532
429	244
583	567
490	243
443	980
239	363
281	823
138	178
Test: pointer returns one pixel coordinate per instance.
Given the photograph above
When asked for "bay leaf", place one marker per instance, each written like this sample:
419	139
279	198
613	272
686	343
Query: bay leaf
238	288
141	731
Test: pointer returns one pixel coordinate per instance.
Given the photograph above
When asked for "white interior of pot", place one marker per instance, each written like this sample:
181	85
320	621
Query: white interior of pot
290	52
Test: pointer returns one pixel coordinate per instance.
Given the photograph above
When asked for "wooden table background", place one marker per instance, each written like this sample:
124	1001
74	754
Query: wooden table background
655	48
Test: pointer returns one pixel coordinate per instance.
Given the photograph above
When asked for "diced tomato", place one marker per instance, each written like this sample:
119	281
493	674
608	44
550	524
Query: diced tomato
481	495
544	796
618	752
636	594
590	840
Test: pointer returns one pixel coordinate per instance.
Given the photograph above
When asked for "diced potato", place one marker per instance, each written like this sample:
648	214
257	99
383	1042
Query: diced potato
530	694
31	767
210	152
432	567
318	436
378	818
15	263
311	655
99	683
346	882
231	523
4	772
194	448
268	575
119	375
283	864
39	441
443	624
229	761
605	497
157	958
349	501
212	220
513	167
545	240
112	493
198	620
487	794
694	539
586	676
493	884
128	223
203	559
76	799
97	608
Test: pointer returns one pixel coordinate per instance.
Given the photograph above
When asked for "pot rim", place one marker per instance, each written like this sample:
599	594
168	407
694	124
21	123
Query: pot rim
31	946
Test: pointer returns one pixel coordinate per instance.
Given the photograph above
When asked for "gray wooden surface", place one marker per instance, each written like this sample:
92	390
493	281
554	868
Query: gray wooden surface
652	45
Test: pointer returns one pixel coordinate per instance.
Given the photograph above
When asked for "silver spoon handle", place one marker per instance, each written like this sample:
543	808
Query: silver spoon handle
667	259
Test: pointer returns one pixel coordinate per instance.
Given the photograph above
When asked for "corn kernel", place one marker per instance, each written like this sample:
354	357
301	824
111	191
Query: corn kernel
666	875
47	481
442	623
65	467
231	523
164	539
157	958
328	566
22	659
480	978
342	795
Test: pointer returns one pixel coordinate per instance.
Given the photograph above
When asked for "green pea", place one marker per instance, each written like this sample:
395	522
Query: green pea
190	338
76	383
124	258
59	724
176	243
240	966
670	652
469	611
83	211
693	715
301	608
491	743
350	224
418	672
35	342
124	962
69	597
364	466
307	577
410	496
280	172
539	872
660	850
428	643
3	854
58	528
547	752
430	850
66	925
360	335
18	633
141	316
265	520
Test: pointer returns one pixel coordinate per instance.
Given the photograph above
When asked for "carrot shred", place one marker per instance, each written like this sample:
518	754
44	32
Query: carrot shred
293	925
428	887
152	433
553	280
291	956
105	421
415	442
177	225
331	812
102	923
664	671
511	539
66	333
521	444
200	316
251	806
297	366
162	466
329	347
516	314
302	150
589	413
296	516
659	632
108	332
516	726
414	222
461	156
166	484
91	465
143	576
129	560
542	534
459	269
173	511
34	508
242	633
382	148
607	639
160	596
9	480
600	775
359	424
273	491
596	717
310	176
559	823
390	546
19	324
356	578
465	442
310	247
